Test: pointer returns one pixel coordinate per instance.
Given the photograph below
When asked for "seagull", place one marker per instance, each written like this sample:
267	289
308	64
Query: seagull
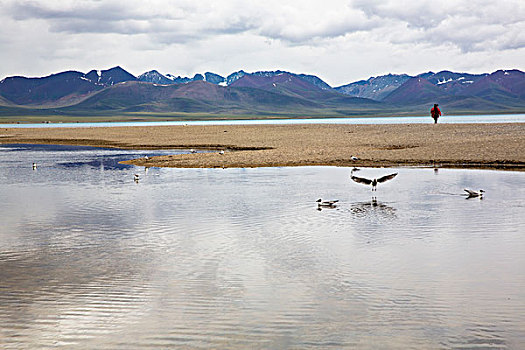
34	166
193	151
354	158
472	194
221	152
146	157
373	182
136	177
326	204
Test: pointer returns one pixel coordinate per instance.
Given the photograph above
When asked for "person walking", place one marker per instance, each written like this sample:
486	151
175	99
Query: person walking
435	113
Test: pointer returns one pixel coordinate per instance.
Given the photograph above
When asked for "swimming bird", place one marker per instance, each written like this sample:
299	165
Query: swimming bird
146	157
373	182
136	177
472	194
326	204
354	158
34	166
193	151
221	152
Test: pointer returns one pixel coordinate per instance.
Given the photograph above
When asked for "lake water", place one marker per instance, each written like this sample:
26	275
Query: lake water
448	119
243	258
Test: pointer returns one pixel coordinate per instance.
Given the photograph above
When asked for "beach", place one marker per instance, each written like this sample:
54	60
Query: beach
498	146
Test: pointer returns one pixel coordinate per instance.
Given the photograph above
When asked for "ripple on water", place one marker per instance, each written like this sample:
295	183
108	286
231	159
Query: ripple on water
243	258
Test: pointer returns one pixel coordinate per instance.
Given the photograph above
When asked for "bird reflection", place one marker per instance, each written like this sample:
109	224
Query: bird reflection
373	208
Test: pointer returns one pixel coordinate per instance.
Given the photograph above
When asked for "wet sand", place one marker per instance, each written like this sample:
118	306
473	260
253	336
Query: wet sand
447	145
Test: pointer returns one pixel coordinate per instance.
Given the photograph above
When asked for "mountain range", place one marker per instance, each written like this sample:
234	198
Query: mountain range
265	93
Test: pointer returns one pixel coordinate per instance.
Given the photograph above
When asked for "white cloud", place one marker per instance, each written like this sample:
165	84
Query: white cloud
339	40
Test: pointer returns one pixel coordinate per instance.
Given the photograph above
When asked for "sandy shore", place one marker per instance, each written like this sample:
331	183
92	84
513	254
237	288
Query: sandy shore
447	145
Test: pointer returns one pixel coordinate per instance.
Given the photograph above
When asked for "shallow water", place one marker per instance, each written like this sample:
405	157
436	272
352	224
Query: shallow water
243	258
448	119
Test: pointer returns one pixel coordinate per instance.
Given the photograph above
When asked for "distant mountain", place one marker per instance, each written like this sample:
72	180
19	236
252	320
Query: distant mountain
282	94
193	97
117	92
230	79
415	91
293	85
213	78
500	91
315	80
510	83
285	83
110	76
312	79
155	77
378	88
375	88
453	83
60	89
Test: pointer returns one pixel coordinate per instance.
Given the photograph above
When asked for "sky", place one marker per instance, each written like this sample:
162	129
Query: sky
341	41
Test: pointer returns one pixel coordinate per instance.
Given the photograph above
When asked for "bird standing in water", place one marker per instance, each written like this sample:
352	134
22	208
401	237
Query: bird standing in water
326	204
373	182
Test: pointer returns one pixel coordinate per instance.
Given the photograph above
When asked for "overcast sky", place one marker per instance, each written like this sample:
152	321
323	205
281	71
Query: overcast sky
340	41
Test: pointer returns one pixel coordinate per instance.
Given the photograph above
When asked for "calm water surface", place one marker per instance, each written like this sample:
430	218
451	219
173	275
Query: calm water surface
243	258
446	119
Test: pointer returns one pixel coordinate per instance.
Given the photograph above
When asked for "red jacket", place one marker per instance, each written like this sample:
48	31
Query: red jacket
435	113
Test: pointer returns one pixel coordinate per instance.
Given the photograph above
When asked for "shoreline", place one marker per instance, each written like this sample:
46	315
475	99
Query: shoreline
481	146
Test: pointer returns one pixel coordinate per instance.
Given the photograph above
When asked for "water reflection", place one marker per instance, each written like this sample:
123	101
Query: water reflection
239	258
373	208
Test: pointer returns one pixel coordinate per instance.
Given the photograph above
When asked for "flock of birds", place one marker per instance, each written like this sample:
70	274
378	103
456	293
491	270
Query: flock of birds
362	180
375	181
332	203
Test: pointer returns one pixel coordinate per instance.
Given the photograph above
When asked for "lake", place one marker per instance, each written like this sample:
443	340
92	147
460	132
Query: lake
245	259
447	119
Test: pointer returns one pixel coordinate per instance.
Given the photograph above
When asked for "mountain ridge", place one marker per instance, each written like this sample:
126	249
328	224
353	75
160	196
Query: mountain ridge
280	92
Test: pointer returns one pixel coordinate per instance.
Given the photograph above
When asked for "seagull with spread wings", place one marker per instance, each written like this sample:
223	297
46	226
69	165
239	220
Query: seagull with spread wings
373	182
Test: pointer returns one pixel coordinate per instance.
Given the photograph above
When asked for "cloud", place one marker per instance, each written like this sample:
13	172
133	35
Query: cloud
335	38
468	24
477	25
297	22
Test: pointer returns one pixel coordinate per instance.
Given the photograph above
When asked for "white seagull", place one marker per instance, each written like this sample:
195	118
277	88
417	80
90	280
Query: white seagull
136	177
326	204
373	182
221	152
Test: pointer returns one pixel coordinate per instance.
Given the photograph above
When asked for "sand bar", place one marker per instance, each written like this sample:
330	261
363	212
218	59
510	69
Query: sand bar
499	146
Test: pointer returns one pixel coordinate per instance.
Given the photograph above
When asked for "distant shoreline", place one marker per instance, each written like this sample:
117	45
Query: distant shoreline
57	120
494	145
